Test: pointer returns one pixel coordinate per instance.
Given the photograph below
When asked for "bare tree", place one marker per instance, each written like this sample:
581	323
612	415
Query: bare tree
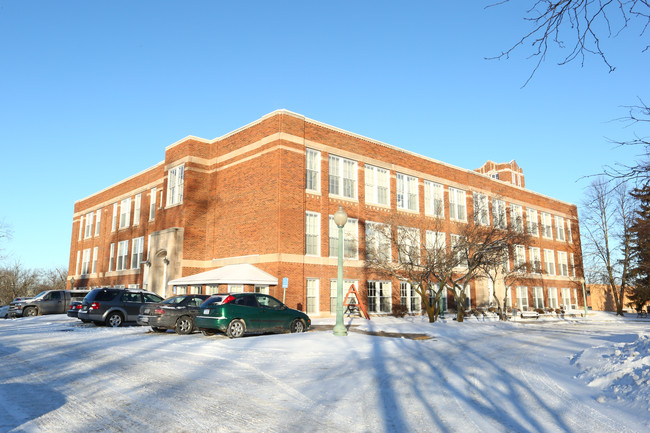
607	219
5	235
15	281
54	279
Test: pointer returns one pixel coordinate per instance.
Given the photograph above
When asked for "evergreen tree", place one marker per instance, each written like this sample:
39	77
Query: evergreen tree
640	232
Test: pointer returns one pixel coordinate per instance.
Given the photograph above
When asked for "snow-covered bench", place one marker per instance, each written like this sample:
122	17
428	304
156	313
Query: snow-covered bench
529	315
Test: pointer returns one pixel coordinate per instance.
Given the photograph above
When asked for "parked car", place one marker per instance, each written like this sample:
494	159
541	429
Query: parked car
47	302
177	313
4	312
73	311
239	313
113	307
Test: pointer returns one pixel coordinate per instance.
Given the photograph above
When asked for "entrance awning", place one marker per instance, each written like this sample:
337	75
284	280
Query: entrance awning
230	274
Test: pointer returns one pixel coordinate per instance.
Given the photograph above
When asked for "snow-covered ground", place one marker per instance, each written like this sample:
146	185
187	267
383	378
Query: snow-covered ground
574	375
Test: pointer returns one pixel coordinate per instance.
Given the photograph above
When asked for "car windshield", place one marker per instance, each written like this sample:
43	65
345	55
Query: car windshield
40	295
174	300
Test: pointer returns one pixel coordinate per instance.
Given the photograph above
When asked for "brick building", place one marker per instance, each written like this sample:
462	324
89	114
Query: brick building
265	194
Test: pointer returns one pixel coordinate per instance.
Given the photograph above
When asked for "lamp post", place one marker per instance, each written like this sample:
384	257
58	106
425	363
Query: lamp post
340	218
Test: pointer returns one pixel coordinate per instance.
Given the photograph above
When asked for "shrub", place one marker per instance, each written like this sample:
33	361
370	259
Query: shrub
400	310
539	310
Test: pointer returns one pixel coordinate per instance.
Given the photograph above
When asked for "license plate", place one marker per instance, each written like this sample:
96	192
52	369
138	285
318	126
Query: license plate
144	320
146	311
206	311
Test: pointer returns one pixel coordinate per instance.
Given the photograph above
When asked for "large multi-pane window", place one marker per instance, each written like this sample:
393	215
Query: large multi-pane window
499	214
114	222
88	231
85	263
552	297
517	218
343	177
519	258
81	226
377	185
559	228
379	297
94	260
136	210
435	245
549	262
522	298
125	212
409	298
458	248
122	255
347	284
538	297
350	237
312	296
547	226
175	183
535	259
457	204
434	203
481	209
312	182
562	264
152	204
566	297
573	265
408	239
378	241
98	218
111	260
76	269
532	225
407	192
136	252
312	234
568	229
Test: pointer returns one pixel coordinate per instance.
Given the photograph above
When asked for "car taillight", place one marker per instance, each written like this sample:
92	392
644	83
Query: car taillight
228	299
159	311
94	306
79	307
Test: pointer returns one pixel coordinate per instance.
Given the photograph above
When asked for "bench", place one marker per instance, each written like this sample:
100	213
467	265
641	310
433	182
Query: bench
529	315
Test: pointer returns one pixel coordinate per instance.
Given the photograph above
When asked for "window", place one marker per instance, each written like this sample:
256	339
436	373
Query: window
236	288
76	269
122	255
136	252
481	209
408	240
212	289
535	259
468	298
98	218
136	210
346	288
573	265
85	263
350	236
378	241
312	182
538	297
88	230
152	205
519	259
261	289
94	260
562	265
175	182
379	297
517	218
81	227
547	227
549	262
433	199
407	192
575	297
312	234
522	298
566	297
568	229
436	246
458	248
343	177
409	298
111	261
114	222
559	228
532	226
457	204
377	185
499	214
125	212
312	296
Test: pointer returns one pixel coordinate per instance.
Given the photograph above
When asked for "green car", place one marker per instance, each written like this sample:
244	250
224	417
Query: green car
238	313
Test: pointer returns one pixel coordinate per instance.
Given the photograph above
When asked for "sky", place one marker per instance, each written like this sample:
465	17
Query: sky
92	92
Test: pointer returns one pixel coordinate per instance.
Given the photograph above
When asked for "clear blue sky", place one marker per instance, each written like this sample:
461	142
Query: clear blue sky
92	92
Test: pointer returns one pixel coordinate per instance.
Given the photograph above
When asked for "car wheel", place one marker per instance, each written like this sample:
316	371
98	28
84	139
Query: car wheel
297	326
157	329
184	325
208	332
115	320
236	328
30	312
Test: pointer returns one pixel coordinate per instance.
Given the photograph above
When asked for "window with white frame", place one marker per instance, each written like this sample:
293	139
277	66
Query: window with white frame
136	252
378	241
312	296
111	260
76	269
568	229
532	224
122	255
88	230
350	237
434	203
549	262
114	222
559	228
468	298
211	289
409	298
262	289
98	218
152	204
535	259
573	265
136	209
377	185
547	225
379	297
235	288
346	288
538	297
457	205
125	212
574	305
566	297
407	192
562	264
519	259
458	248
499	214
85	263
94	260
312	234
435	245
312	174
408	239
481	209
552	297
175	183
342	177
517	218
522	298
81	227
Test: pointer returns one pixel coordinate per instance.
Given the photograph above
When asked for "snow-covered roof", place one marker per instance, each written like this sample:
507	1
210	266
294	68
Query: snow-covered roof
243	273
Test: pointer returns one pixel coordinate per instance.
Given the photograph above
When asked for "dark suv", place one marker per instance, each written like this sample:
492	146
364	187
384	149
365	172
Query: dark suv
114	306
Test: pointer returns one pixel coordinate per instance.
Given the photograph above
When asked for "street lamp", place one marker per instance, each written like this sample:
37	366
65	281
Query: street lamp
340	218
